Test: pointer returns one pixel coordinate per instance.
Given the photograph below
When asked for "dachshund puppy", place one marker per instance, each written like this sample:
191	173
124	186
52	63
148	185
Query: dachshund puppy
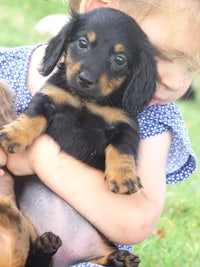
105	76
103	73
18	238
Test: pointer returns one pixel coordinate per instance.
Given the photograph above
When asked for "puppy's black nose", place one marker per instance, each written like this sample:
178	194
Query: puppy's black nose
86	79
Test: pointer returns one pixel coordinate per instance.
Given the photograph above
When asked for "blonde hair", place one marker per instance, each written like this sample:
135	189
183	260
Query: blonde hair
146	8
74	4
149	7
189	11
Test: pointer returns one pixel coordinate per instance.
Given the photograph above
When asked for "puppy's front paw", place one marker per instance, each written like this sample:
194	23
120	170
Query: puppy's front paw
123	180
123	258
11	140
120	173
20	134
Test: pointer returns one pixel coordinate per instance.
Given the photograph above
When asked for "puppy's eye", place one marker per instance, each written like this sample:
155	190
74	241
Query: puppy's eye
83	43
120	60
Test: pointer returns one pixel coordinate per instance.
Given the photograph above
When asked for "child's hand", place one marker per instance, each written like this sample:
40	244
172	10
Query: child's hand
3	161
18	164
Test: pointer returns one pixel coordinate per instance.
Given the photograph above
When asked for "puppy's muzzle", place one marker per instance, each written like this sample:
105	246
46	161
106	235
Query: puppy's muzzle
86	80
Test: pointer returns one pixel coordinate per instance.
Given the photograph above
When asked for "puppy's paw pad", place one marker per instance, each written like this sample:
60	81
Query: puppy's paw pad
48	243
9	141
124	185
123	258
132	185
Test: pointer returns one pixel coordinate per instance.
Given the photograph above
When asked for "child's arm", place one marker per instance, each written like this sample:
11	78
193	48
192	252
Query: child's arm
125	219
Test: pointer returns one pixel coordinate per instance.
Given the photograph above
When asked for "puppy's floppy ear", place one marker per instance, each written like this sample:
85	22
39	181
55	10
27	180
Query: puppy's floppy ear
144	79
57	46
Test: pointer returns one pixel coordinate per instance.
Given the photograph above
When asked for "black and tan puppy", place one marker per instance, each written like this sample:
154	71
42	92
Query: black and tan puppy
104	73
18	238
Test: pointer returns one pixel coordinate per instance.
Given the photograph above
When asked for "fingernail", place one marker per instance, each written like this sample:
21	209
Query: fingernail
2	172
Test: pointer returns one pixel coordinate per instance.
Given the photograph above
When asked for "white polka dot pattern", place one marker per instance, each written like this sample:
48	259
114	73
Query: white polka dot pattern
14	63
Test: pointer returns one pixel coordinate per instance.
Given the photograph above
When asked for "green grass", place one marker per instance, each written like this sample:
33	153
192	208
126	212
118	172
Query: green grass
175	241
18	18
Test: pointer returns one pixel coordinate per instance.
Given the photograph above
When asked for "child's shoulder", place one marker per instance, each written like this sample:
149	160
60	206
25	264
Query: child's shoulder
13	60
9	54
14	65
157	119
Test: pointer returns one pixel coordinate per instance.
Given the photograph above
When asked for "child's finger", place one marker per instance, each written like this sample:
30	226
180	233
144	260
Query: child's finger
2	172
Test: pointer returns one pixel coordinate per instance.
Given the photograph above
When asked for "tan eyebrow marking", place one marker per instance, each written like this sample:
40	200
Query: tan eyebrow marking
119	48
91	36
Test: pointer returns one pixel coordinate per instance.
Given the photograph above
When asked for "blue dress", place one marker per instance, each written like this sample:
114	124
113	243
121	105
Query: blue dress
154	120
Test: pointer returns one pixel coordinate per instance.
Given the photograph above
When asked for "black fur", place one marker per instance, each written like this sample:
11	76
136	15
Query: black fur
112	27
78	131
104	74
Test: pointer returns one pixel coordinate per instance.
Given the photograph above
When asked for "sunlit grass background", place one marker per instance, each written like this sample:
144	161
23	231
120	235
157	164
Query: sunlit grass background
18	19
176	239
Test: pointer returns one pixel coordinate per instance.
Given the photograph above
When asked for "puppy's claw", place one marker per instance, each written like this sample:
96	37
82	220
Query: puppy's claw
14	148
114	187
132	185
127	186
3	136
